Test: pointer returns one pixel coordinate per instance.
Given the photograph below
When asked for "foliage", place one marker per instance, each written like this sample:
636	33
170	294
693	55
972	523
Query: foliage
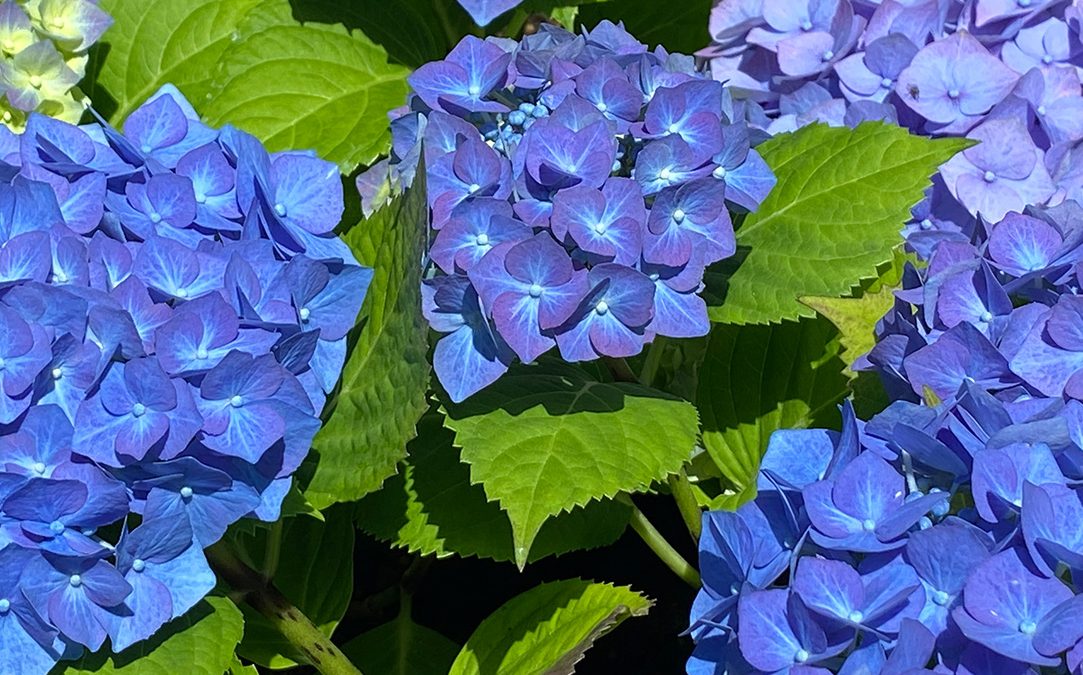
756	379
546	459
831	221
203	640
432	508
547	629
382	391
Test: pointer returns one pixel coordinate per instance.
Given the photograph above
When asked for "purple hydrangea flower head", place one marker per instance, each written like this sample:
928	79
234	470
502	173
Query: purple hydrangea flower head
579	186
935	67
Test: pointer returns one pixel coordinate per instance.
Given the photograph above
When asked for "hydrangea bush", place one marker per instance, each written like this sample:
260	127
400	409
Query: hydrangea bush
634	275
174	314
579	187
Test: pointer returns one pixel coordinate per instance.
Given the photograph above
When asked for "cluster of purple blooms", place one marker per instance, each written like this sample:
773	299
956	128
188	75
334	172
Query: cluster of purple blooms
173	313
1002	72
579	185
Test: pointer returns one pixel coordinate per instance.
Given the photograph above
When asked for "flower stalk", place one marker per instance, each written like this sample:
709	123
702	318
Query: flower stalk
314	647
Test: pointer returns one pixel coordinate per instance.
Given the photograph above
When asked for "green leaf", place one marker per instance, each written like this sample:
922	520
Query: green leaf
856	317
239	668
412	31
315	573
402	647
152	43
386	376
679	26
313	86
545	439
295	504
757	379
547	629
431	508
834	217
201	641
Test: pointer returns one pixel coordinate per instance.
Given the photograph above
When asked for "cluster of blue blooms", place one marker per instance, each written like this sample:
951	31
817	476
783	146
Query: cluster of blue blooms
173	313
579	187
943	534
1003	72
939	539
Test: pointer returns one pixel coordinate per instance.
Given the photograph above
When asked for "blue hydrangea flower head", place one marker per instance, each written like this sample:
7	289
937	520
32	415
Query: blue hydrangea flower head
174	311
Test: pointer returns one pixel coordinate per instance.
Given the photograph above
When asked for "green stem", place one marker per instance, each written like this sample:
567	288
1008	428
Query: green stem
620	370
653	360
662	548
273	553
315	648
686	503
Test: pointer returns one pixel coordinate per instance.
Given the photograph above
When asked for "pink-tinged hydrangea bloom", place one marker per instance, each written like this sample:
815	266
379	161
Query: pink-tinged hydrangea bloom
953	82
1004	172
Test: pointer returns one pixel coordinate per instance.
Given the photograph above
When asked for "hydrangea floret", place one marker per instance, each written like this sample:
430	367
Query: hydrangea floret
43	56
579	186
173	314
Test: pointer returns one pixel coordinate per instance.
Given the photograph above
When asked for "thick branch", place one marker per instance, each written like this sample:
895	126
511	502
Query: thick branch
299	631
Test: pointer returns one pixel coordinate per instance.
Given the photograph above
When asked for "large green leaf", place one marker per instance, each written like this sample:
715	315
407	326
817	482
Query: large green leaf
382	393
431	508
201	642
545	439
835	215
757	379
856	316
412	31
310	86
153	43
402	647
315	572
547	629
678	26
